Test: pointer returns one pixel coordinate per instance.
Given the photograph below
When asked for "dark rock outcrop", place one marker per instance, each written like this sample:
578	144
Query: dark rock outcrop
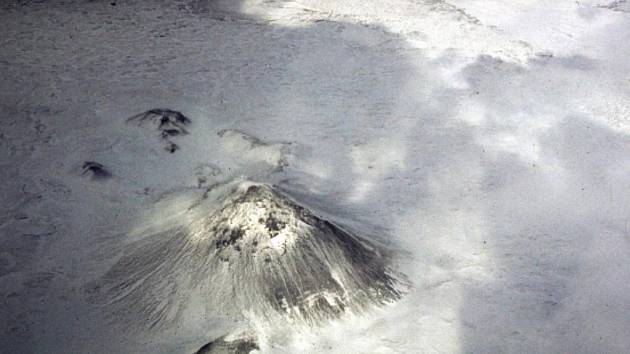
223	345
169	123
95	170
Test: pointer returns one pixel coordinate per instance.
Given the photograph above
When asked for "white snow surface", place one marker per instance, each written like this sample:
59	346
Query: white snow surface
489	141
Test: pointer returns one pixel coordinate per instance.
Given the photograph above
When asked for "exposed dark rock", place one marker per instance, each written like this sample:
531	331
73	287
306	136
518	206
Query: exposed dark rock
166	133
168	122
95	170
171	147
163	117
241	345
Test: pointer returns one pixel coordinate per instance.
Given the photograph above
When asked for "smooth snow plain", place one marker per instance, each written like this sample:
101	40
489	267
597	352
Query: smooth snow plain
487	141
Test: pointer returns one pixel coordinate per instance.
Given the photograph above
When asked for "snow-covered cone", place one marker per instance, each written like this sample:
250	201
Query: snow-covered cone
258	252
